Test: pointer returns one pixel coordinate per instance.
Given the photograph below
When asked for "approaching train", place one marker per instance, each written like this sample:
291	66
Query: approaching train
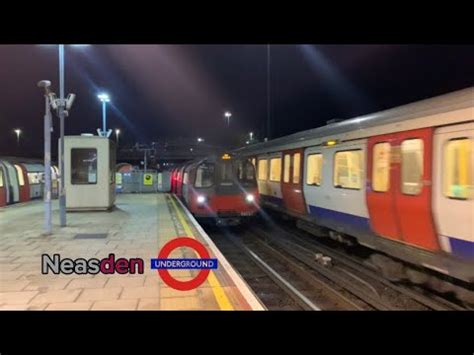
220	188
21	182
400	181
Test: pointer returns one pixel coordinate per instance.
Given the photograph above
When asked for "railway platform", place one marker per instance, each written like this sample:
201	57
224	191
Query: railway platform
136	229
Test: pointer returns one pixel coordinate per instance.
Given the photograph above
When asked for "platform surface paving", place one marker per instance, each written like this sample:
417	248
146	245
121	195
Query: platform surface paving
137	228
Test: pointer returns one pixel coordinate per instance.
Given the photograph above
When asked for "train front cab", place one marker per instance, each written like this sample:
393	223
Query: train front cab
224	190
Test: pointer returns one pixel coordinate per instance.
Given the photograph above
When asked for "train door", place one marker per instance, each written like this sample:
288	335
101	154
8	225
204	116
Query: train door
275	163
3	194
262	177
291	186
12	183
24	188
453	188
399	187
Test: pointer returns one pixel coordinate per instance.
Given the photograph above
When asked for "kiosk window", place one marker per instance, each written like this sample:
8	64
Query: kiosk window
83	166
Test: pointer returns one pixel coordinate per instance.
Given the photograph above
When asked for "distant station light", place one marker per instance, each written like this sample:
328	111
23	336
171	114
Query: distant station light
103	97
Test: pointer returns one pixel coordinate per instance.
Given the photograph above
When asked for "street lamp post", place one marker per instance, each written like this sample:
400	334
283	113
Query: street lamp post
62	191
104	98
47	157
227	116
117	133
18	132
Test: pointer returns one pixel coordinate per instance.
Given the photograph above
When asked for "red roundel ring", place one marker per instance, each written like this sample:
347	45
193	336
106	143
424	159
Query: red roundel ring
165	274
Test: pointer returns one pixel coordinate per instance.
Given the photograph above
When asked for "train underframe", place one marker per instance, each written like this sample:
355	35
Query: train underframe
398	262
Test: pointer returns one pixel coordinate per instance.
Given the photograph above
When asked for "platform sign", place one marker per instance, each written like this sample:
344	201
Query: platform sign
118	178
147	179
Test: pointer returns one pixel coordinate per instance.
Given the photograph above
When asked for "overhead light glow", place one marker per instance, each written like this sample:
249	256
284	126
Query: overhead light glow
104	97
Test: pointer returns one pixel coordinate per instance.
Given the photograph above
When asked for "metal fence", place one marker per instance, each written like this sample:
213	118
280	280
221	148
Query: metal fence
141	182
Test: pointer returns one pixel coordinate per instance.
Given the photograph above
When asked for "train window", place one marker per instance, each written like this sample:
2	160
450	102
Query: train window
314	163
381	167
21	179
263	169
286	168
84	166
296	168
205	175
275	169
412	166
185	178
226	172
348	169
1	178
458	168
246	172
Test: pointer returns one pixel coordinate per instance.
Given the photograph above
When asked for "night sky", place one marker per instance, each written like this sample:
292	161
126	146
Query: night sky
166	91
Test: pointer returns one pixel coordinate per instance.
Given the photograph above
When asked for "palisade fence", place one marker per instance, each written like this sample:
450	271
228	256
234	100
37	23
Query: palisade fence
141	182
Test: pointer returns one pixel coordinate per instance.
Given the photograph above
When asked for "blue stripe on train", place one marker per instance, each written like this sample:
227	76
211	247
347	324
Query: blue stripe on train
340	221
462	248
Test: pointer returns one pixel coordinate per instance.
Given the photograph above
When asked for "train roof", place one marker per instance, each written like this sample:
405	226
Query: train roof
444	103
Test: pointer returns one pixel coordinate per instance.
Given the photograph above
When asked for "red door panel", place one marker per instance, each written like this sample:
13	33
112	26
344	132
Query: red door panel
25	188
292	193
381	204
414	211
396	215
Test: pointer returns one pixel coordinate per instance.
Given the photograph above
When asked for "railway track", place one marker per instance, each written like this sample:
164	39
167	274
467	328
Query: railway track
279	281
395	296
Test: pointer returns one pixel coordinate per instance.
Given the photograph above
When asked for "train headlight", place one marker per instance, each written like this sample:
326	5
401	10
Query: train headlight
250	198
201	199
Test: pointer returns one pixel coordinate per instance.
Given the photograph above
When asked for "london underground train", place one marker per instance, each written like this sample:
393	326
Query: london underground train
399	181
23	181
220	188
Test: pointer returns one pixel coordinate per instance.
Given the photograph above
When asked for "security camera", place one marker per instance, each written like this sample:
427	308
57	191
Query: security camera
53	100
44	84
70	100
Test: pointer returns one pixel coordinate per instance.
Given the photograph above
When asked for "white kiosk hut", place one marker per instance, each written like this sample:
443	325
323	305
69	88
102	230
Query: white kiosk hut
89	164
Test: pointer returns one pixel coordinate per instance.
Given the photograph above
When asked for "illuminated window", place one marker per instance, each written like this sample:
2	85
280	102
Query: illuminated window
348	169
286	171
275	169
458	166
83	166
381	167
204	175
185	178
314	164
245	171
21	179
262	169
1	178
412	166
296	168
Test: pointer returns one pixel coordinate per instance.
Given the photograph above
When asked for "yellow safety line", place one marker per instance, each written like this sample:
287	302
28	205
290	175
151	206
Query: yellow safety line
218	291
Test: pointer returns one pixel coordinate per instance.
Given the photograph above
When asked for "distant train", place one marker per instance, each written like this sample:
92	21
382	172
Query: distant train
21	182
399	181
220	188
